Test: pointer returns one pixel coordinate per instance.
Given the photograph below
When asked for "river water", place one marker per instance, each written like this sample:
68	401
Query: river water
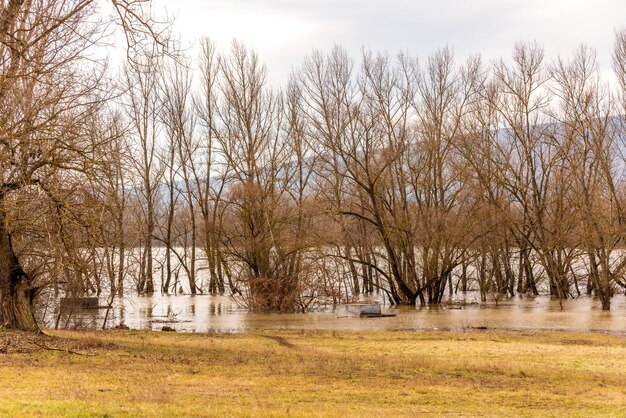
205	313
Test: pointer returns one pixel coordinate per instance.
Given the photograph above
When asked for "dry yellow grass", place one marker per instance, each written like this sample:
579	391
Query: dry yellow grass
319	374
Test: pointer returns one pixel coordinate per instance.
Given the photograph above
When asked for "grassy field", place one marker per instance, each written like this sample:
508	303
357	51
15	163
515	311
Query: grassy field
132	373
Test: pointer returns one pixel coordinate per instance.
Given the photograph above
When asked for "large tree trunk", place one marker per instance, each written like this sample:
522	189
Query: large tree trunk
16	308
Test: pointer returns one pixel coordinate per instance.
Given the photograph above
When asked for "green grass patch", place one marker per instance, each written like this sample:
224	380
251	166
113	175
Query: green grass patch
272	373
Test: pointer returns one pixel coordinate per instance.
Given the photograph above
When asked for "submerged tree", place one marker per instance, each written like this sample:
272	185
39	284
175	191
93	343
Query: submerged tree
386	176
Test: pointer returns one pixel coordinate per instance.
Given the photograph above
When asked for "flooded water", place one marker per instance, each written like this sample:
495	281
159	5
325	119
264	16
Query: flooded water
206	313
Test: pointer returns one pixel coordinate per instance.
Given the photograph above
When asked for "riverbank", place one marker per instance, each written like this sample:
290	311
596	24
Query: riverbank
280	373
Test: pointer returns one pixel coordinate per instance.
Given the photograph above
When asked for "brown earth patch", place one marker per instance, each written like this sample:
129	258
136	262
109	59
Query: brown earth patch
18	342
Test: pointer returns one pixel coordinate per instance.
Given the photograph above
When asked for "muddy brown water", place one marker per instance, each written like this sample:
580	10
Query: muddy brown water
205	313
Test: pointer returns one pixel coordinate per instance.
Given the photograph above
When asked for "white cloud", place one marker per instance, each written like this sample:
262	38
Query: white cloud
284	31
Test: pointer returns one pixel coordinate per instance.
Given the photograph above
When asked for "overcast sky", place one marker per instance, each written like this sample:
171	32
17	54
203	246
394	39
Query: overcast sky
285	31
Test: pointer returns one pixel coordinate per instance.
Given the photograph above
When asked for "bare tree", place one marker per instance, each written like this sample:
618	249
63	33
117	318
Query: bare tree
49	96
535	174
143	107
210	183
588	126
179	121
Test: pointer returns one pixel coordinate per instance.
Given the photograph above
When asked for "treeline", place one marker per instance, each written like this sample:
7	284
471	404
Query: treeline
411	178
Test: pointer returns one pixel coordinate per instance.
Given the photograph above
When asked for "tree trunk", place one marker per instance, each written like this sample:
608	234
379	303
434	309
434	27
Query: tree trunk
16	308
149	266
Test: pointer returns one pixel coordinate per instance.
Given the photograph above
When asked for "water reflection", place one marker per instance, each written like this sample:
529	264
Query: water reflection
204	313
